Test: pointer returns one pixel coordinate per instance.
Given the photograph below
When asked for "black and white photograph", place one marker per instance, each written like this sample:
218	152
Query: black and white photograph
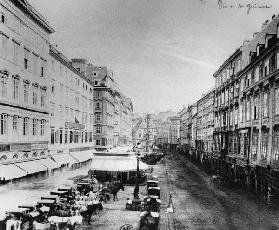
139	114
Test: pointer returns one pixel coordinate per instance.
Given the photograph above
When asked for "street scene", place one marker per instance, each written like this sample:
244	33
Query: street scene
139	115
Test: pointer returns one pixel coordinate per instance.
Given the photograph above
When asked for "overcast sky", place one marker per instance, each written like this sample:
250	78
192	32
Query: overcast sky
163	52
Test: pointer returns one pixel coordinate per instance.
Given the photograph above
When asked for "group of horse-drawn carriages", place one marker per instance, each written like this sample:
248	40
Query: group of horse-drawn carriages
149	205
66	207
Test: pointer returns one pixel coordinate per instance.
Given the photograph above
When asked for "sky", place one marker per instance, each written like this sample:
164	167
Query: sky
163	52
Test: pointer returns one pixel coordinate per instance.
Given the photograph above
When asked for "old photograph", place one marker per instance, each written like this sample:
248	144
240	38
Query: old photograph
139	114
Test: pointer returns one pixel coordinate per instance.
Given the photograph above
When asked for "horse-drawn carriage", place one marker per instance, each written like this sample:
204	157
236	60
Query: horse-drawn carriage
152	183
154	191
149	220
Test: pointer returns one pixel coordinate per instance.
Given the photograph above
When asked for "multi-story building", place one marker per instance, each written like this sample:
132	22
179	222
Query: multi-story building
71	111
24	111
205	122
183	117
174	132
246	110
112	110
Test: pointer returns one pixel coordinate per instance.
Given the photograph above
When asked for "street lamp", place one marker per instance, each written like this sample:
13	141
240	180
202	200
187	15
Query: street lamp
136	190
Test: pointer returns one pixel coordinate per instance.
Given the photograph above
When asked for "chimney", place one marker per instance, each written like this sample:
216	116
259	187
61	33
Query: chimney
264	24
255	34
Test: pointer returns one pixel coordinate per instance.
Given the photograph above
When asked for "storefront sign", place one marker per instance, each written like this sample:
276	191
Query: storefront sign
4	148
20	147
71	125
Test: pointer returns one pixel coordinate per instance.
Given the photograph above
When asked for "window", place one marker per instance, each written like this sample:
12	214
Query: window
35	95
266	67
95	82
56	136
51	136
35	127
255	110
81	137
4	46
66	136
256	74
3	124
86	136
98	129
4	86
35	64
98	142
76	136
43	97
15	88
16	53
42	70
25	126
60	136
90	137
3	18
71	136
25	92
15	123
276	104
43	124
26	59
264	145
265	104
248	108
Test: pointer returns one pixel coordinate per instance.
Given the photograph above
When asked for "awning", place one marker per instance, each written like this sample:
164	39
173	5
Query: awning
83	155
114	164
32	166
11	171
64	158
49	163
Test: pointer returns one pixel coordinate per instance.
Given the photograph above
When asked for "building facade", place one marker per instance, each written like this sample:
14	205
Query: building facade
205	123
112	110
71	109
246	102
24	110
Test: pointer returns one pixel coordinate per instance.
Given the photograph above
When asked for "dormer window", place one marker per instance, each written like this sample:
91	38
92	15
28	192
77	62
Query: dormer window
269	40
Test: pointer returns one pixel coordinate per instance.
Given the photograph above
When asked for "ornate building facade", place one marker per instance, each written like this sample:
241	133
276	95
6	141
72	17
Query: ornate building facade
24	110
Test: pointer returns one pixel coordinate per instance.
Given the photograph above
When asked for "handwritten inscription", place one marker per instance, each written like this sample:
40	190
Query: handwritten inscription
221	4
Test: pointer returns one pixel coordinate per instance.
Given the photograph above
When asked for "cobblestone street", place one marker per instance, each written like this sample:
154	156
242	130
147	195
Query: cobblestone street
114	214
197	205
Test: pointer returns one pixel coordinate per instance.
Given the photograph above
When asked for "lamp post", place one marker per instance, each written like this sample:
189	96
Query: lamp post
136	190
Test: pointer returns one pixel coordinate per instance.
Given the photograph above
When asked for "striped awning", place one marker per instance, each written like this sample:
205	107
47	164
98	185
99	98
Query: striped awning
32	166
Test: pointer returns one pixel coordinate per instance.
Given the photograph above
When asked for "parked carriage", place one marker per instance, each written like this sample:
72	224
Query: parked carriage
154	191
149	220
152	183
152	203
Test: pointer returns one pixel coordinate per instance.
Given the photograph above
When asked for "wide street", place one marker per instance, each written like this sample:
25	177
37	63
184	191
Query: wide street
198	205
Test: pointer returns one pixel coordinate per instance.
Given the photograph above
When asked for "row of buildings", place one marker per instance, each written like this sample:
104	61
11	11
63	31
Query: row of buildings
52	107
234	128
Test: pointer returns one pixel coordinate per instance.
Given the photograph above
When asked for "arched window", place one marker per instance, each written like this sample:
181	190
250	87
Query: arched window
35	154
25	155
15	156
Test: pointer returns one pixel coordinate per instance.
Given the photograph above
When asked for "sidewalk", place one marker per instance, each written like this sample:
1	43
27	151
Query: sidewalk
166	218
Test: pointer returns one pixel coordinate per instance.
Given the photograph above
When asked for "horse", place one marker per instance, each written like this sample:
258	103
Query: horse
90	209
115	189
